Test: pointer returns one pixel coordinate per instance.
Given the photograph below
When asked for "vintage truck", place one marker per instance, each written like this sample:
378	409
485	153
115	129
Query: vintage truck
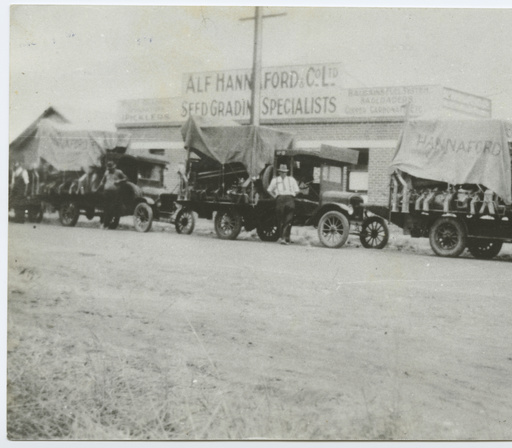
451	183
65	166
229	168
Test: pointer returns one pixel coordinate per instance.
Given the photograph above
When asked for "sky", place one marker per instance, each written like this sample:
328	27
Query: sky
85	59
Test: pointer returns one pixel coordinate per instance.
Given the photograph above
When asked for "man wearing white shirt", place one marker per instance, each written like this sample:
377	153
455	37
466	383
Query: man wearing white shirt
19	191
284	188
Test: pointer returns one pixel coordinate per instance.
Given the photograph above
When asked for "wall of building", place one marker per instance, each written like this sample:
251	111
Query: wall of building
367	130
378	175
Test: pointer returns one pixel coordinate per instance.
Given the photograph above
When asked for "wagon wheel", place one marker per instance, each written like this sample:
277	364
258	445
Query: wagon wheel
142	217
447	237
228	224
484	249
374	233
19	214
333	229
69	213
185	221
268	230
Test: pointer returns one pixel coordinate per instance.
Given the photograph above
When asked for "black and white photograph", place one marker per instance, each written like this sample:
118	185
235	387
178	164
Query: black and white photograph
258	222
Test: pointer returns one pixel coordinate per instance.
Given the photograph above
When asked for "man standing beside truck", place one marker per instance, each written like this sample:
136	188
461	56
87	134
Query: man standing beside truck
111	183
284	188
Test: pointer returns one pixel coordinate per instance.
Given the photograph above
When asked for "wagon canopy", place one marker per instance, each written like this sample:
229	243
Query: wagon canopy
69	148
457	152
253	146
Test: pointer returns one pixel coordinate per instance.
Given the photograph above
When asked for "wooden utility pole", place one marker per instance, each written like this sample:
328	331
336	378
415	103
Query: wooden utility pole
256	68
256	62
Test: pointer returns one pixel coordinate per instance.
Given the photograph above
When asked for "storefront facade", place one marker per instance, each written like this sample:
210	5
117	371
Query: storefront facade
308	101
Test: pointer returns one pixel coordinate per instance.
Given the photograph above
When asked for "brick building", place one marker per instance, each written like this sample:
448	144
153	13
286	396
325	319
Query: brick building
318	111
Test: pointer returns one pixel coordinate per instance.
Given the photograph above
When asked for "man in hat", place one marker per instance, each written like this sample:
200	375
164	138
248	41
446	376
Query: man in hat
18	191
111	183
284	188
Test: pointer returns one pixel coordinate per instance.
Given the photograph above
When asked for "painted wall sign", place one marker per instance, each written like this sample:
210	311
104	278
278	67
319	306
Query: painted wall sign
149	110
312	92
390	101
286	92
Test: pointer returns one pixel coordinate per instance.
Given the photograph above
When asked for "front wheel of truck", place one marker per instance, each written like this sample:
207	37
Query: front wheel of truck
333	229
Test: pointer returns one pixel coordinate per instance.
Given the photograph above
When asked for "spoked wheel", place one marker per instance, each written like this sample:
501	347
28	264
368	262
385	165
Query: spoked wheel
185	221
333	229
228	224
69	213
448	237
484	249
374	233
142	217
268	230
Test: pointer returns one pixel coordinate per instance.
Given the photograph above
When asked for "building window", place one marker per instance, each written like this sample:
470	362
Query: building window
358	174
151	175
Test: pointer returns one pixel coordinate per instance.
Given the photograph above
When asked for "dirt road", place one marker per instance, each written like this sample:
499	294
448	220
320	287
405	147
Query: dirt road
116	334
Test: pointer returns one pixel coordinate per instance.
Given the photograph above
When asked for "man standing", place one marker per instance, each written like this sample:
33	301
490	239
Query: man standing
111	183
19	191
284	188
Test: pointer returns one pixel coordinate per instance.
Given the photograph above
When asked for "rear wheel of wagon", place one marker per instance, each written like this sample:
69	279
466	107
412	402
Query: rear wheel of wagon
142	217
268	230
374	233
333	229
69	213
447	237
484	249
228	224
185	221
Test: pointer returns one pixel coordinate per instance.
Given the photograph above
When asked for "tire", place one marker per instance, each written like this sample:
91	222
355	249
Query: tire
90	213
228	224
448	237
35	214
268	230
142	217
484	249
19	215
69	213
185	222
374	233
333	229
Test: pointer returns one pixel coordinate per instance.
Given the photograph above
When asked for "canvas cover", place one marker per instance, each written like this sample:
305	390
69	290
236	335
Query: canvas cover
457	152
253	146
69	148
